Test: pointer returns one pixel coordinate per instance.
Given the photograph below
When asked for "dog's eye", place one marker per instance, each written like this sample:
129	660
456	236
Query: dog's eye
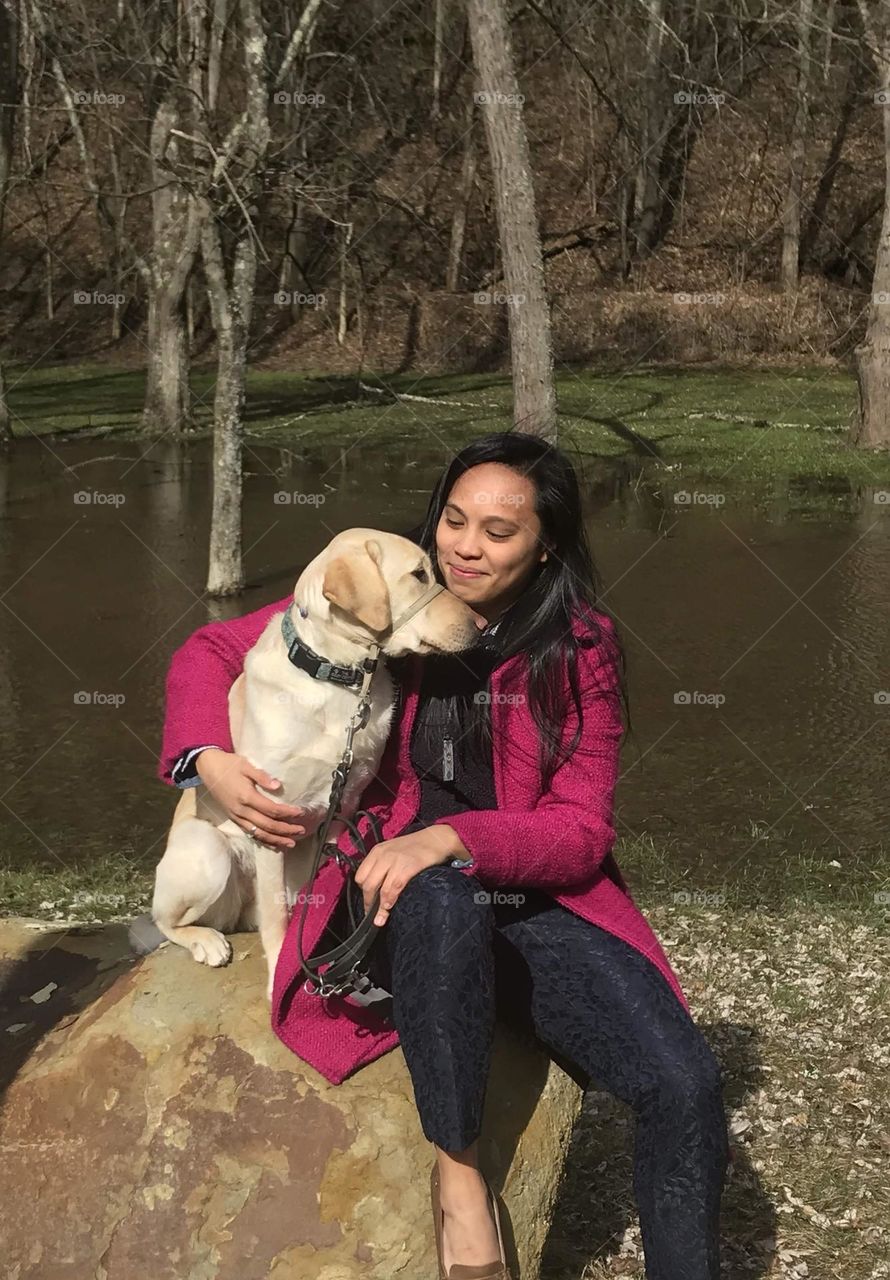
419	573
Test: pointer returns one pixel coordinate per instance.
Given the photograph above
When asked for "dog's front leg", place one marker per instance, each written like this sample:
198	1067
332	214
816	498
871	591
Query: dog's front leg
272	907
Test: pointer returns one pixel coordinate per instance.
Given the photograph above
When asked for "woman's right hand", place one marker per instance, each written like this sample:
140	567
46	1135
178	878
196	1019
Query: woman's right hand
232	779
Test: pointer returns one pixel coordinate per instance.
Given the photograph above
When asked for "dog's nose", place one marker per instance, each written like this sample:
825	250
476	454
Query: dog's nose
480	622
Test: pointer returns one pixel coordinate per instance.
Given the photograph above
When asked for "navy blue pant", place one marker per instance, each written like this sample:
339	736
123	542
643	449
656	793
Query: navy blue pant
455	956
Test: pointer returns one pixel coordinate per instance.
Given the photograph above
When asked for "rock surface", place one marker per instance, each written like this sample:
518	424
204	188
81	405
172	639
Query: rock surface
152	1125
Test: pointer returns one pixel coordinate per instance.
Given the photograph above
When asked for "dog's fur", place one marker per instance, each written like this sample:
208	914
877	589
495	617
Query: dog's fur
213	878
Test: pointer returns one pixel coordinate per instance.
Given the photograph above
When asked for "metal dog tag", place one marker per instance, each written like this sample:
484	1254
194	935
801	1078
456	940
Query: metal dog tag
447	760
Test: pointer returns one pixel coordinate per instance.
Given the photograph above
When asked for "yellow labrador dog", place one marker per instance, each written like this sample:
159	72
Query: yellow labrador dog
288	714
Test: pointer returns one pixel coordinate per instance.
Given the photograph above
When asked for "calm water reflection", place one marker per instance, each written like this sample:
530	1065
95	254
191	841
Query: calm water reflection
787	620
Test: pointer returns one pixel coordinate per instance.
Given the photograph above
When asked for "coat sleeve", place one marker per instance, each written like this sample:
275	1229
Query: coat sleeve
201	673
562	841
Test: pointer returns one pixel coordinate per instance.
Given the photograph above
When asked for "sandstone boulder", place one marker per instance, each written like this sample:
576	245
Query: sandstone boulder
152	1125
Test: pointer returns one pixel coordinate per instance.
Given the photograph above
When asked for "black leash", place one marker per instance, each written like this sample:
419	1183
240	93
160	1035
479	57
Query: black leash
344	974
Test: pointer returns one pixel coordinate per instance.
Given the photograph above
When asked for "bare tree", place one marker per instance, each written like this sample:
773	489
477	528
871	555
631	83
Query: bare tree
534	394
872	428
462	203
9	78
231	188
167	267
797	151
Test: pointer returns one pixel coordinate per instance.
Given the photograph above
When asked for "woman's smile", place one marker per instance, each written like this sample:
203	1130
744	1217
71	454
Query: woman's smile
465	573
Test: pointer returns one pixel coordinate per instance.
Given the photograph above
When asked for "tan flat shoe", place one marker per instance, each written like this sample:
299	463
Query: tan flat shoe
460	1270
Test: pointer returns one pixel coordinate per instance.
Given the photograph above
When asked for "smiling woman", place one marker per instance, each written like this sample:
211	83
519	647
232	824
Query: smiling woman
569	955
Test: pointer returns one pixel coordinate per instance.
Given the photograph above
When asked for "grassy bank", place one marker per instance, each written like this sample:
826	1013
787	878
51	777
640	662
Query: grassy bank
110	887
728	426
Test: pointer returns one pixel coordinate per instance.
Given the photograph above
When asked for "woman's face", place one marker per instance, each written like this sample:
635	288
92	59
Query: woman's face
487	539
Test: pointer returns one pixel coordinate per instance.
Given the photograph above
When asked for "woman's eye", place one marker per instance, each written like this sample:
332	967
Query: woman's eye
498	538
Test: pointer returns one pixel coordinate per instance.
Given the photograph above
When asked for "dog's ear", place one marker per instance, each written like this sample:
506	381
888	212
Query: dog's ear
357	586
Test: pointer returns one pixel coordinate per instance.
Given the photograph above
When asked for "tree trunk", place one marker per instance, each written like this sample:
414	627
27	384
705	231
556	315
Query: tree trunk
819	208
343	293
797	153
231	302
9	78
872	428
462	204
534	396
230	305
647	196
438	25
167	373
175	236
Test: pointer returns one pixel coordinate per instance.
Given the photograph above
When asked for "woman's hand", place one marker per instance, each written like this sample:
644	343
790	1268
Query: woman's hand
232	780
392	863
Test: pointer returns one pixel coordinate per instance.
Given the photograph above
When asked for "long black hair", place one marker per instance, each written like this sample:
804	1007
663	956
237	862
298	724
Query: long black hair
539	624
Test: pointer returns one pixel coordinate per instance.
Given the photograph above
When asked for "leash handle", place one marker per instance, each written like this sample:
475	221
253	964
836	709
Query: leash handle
343	960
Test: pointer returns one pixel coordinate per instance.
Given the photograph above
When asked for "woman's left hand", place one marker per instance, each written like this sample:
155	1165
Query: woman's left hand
392	863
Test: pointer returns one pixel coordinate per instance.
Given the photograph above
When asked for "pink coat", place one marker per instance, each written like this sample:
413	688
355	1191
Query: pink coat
560	841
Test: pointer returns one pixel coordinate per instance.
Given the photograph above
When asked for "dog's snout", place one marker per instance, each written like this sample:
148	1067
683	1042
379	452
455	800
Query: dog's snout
480	622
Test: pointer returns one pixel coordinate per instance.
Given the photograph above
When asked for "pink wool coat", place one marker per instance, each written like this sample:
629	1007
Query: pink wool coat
559	840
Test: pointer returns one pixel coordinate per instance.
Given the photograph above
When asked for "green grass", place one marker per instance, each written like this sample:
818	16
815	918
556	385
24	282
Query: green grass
734	428
109	887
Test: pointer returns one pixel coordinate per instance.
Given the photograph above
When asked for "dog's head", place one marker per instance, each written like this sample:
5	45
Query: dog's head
371	579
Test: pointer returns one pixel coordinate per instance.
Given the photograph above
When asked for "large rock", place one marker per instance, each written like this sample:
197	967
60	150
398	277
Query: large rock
154	1126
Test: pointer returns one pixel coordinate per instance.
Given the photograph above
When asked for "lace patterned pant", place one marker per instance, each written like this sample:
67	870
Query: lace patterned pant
453	960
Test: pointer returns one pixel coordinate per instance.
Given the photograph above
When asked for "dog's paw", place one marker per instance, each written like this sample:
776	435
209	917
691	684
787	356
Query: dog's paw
212	948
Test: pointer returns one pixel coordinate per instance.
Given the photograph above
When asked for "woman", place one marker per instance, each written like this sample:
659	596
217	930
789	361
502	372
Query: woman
499	894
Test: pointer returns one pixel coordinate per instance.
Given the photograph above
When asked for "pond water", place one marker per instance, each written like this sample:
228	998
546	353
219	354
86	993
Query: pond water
758	643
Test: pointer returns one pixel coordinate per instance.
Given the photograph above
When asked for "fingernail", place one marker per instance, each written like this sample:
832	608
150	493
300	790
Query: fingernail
291	843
